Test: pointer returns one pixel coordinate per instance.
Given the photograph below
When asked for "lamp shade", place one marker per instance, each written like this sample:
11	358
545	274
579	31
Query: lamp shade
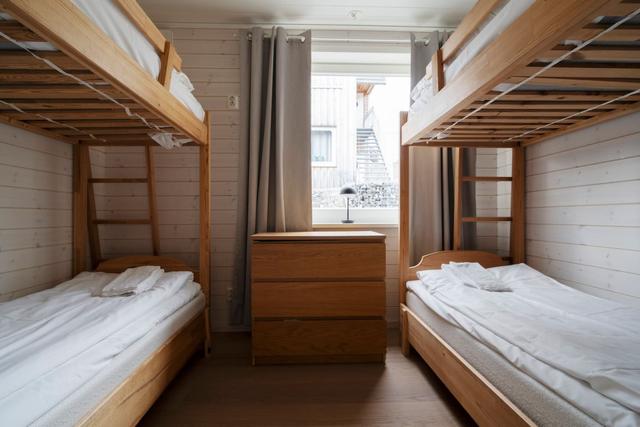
347	191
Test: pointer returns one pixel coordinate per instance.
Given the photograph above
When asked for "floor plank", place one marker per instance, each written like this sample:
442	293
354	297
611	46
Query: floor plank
225	390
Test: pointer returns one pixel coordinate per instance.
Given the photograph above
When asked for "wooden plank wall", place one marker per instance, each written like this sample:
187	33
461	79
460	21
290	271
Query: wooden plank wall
486	199
583	208
35	211
211	60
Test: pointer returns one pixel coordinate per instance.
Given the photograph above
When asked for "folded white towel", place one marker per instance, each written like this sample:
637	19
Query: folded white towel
133	281
474	275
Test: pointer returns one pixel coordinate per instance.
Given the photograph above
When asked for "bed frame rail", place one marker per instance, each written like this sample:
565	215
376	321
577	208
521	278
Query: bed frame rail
89	55
602	85
484	402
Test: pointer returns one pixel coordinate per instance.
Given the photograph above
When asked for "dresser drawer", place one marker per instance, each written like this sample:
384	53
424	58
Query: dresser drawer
318	299
318	260
319	341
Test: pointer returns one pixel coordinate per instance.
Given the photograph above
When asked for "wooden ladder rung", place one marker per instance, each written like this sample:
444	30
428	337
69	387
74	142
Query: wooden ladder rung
486	219
117	180
486	178
122	221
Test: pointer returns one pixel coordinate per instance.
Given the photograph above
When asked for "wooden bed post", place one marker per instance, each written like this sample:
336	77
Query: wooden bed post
205	227
80	206
437	72
457	198
517	235
403	253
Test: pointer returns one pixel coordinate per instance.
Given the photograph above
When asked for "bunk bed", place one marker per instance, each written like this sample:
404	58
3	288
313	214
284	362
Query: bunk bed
540	70
522	71
101	74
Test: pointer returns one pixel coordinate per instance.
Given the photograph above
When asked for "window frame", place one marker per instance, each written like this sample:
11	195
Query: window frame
364	217
333	163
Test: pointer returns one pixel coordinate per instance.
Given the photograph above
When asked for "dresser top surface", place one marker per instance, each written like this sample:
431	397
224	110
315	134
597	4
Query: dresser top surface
320	235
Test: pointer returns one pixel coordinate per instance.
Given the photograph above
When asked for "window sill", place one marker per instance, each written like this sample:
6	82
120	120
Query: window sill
353	226
361	216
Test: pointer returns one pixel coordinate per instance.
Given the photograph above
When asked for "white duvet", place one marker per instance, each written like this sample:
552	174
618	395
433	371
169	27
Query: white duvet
54	341
548	330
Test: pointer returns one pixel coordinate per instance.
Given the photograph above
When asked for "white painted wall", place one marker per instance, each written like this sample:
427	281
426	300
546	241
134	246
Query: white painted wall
583	208
35	212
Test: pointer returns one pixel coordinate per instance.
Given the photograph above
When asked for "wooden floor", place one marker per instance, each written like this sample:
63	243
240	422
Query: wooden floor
225	390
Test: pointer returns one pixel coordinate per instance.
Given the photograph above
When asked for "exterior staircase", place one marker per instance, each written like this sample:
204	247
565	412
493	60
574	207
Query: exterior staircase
370	166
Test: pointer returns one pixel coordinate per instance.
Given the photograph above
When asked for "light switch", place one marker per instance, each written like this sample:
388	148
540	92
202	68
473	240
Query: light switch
233	102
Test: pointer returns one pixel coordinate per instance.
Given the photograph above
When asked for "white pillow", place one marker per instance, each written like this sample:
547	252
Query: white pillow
133	281
474	275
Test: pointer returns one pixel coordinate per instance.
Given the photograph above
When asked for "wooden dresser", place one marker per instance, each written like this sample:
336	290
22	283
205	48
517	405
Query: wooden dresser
318	297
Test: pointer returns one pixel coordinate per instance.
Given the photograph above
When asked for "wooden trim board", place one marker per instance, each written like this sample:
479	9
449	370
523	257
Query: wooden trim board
352	236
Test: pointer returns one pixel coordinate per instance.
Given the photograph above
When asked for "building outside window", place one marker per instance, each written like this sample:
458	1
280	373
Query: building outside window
322	146
355	141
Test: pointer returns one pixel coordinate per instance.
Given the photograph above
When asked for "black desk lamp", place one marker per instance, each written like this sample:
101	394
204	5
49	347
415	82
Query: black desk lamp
348	193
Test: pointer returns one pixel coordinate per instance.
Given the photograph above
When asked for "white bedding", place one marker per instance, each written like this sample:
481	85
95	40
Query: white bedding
52	342
84	399
110	19
493	26
582	347
536	400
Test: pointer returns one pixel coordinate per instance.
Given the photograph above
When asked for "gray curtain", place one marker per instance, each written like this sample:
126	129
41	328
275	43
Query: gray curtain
274	184
431	182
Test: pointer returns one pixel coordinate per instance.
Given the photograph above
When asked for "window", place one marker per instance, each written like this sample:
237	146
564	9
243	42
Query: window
322	147
355	141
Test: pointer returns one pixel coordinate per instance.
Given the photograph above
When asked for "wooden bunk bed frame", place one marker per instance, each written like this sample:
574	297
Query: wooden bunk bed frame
482	400
88	54
467	112
54	103
587	85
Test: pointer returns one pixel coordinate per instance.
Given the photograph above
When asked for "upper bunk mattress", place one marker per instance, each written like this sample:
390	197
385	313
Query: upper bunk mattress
494	25
107	16
582	347
55	341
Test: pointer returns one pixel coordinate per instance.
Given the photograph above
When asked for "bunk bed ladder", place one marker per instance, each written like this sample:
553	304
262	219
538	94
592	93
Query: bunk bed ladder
93	221
517	243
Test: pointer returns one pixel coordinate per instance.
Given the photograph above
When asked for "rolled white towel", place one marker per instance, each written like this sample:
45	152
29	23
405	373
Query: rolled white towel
133	281
474	275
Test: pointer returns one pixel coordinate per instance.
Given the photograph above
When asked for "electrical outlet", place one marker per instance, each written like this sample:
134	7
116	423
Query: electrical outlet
233	102
229	294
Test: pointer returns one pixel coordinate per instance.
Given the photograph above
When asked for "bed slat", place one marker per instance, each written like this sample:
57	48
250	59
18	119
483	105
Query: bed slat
86	48
571	92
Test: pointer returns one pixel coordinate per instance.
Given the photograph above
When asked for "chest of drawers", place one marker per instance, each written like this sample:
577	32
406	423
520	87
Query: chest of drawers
318	297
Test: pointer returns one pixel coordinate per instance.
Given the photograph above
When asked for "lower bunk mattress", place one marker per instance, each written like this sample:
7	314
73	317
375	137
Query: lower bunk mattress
538	402
552	357
63	351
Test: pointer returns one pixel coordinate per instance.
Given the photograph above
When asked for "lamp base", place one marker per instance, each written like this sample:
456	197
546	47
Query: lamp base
347	221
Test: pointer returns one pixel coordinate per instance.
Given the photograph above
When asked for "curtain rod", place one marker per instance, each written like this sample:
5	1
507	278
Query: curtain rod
353	37
289	37
303	38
